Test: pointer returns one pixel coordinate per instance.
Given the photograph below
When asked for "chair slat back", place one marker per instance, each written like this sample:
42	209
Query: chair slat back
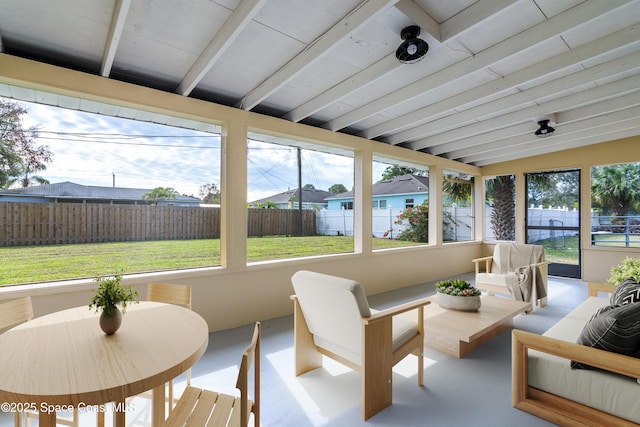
14	312
169	293
251	356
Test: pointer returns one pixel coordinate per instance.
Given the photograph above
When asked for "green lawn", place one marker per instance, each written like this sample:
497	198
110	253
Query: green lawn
565	250
29	264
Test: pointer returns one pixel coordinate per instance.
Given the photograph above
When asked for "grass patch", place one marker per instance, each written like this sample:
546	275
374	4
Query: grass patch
33	264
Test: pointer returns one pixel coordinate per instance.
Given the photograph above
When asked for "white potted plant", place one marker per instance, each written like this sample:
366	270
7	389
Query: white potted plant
109	296
458	294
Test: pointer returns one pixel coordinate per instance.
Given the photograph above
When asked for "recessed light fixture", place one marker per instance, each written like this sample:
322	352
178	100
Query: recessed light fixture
412	48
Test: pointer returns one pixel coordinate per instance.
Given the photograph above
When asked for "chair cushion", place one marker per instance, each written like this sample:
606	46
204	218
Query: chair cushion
333	308
614	328
404	328
492	279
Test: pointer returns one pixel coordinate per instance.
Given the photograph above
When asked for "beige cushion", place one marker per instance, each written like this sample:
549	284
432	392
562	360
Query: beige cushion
608	392
492	279
333	308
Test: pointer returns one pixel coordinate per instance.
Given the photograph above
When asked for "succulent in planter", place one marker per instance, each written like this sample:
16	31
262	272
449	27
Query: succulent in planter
109	296
457	287
629	268
458	294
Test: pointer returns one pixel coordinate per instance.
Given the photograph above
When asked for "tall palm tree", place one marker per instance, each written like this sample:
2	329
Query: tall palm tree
501	192
616	188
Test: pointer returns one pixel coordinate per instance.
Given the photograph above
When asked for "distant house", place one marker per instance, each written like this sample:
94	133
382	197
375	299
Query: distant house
69	192
400	192
311	199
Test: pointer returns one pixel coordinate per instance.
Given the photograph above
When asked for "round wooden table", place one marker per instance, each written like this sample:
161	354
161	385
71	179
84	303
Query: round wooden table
64	359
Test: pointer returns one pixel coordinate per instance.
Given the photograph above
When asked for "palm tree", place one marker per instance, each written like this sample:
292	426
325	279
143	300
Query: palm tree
616	188
501	193
458	189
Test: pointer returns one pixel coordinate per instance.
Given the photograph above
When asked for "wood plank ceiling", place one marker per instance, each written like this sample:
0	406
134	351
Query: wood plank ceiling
493	70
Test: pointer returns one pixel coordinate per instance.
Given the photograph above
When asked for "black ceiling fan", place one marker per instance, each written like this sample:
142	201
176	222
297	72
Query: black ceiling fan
412	49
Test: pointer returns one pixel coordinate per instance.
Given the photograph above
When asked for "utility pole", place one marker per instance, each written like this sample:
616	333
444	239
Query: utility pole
299	192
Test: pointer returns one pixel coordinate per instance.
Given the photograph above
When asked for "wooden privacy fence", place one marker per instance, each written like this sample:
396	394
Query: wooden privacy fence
280	222
23	224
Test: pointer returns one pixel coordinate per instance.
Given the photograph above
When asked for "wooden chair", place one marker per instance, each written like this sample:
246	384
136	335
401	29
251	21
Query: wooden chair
332	318
497	272
13	313
171	294
199	407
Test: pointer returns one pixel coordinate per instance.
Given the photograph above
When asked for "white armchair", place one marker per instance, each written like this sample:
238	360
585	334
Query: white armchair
332	318
515	268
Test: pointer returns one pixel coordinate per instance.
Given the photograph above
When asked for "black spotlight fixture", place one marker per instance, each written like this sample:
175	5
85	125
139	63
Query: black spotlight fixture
544	130
412	48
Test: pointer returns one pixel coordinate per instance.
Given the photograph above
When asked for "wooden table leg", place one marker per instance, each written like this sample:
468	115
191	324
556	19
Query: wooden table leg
158	414
47	419
119	414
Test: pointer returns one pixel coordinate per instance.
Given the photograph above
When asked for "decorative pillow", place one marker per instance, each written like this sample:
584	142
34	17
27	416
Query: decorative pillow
613	328
626	292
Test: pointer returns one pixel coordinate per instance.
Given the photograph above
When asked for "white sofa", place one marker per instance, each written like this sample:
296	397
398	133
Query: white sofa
545	385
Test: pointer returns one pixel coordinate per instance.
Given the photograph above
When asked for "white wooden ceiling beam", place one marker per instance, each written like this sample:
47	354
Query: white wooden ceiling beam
601	107
575	143
120	12
472	16
545	146
344	88
527	39
495	108
554	64
364	13
585	97
563	130
429	27
230	30
389	63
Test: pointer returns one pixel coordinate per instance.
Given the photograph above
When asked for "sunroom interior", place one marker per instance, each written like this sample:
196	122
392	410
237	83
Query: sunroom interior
325	76
341	89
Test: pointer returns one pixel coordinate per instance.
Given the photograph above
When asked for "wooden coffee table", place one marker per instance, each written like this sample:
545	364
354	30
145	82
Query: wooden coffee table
459	332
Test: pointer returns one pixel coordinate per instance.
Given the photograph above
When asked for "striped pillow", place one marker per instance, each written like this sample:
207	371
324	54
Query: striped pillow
626	292
613	328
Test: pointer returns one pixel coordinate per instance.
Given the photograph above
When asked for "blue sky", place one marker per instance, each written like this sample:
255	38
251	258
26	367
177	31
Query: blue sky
90	149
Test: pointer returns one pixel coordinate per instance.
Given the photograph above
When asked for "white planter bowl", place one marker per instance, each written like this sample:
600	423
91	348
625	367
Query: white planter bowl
454	302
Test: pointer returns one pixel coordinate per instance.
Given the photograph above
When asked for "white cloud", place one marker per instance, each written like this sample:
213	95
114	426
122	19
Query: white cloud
90	149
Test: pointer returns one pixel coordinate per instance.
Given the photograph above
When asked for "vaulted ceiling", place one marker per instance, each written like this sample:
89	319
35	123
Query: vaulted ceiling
493	70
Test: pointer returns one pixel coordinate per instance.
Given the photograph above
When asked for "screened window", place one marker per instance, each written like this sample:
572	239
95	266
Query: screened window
500	207
117	196
298	199
615	205
457	205
403	219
